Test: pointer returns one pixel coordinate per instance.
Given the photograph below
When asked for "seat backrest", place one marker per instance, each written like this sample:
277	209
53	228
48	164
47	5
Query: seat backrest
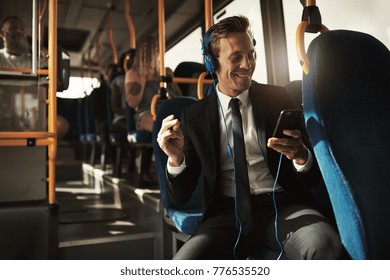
188	69
168	107
294	88
68	108
346	99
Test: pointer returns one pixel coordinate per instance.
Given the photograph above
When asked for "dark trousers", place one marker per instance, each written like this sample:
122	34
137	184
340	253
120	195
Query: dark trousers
303	232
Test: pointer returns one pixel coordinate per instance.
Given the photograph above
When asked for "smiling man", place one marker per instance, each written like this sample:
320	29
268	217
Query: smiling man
227	137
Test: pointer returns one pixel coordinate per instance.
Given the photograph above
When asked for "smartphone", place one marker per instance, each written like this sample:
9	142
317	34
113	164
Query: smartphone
288	119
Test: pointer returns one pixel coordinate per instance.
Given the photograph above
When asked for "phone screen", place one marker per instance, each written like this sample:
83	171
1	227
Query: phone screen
288	119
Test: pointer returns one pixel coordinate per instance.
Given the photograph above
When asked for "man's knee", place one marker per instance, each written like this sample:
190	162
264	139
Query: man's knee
320	242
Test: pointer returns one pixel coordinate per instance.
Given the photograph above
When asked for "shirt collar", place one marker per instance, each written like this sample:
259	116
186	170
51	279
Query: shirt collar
224	99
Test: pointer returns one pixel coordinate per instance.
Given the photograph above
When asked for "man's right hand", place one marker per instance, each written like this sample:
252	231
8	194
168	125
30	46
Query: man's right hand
171	140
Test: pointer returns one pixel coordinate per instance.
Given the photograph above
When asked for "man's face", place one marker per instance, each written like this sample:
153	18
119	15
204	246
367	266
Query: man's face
237	63
15	37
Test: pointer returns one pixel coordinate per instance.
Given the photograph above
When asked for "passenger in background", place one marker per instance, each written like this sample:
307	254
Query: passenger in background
142	83
16	51
16	54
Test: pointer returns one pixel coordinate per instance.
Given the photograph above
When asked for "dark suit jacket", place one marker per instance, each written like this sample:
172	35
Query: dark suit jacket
200	125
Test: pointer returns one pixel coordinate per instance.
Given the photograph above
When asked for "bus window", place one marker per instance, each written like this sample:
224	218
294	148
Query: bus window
176	54
364	16
251	9
79	87
22	105
22	90
192	42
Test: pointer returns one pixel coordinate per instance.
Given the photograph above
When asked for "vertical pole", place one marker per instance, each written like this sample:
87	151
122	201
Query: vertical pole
275	45
208	14
98	58
130	25
52	116
34	38
311	3
161	34
111	39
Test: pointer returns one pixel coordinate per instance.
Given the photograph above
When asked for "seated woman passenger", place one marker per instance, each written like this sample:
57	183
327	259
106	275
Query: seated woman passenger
142	83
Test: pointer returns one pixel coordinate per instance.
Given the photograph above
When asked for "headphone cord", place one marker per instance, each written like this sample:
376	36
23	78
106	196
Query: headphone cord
276	208
230	153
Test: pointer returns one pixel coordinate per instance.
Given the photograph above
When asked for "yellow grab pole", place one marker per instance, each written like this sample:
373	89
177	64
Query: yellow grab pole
41	26
161	33
132	38
311	3
52	122
130	25
24	70
98	58
208	14
161	41
111	39
200	83
26	135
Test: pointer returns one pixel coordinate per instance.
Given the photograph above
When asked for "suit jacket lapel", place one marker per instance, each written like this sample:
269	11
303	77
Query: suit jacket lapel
212	124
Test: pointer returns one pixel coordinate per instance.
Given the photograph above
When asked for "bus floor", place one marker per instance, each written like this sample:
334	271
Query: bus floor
102	217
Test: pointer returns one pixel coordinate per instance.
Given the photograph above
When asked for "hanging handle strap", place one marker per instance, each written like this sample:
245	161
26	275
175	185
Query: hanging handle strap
312	23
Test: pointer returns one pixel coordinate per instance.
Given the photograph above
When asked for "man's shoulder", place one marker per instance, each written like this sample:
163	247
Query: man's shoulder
200	104
269	95
267	91
265	87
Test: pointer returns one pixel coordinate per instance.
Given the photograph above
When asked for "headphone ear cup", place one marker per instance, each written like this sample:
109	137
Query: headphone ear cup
209	63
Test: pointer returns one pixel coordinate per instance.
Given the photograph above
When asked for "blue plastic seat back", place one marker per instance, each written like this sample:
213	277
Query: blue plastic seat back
81	119
346	98
188	216
98	111
89	120
68	108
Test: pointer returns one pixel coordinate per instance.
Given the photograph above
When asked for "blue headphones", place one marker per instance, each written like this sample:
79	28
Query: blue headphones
210	62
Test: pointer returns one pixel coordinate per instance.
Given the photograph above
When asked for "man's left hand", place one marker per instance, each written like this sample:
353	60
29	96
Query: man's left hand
292	147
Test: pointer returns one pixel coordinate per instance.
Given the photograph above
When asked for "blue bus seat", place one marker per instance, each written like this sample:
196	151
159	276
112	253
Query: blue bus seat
138	142
188	69
96	123
187	217
294	88
81	120
320	196
346	97
68	108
